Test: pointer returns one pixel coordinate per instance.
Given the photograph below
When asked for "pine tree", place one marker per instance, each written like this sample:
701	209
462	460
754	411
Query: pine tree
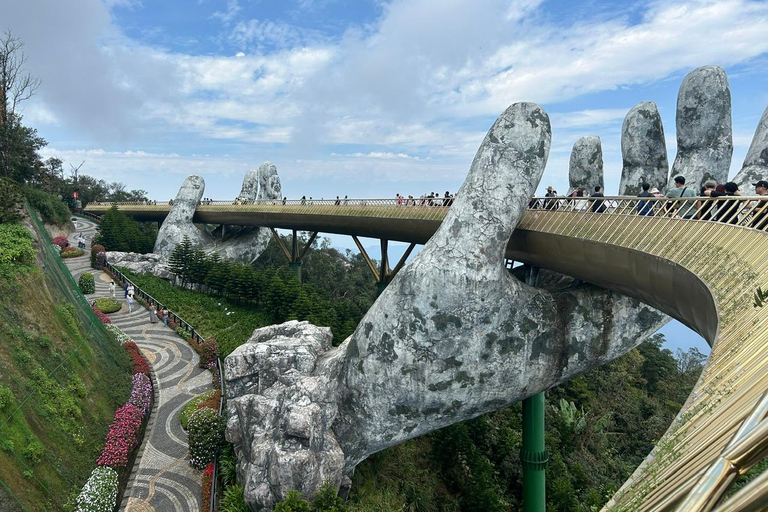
178	263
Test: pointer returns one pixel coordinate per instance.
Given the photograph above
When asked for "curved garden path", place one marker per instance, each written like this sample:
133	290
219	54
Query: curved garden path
162	479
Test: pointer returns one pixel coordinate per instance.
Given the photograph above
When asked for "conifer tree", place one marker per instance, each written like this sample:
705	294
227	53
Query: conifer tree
178	263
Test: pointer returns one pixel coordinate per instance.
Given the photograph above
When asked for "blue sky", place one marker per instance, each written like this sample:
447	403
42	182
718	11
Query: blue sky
362	97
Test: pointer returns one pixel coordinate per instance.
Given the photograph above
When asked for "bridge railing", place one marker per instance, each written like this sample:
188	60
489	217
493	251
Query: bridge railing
746	211
742	211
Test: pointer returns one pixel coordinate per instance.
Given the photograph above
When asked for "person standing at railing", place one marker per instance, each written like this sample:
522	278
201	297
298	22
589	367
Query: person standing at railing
681	191
645	208
728	211
706	208
303	200
598	205
152	313
761	217
165	313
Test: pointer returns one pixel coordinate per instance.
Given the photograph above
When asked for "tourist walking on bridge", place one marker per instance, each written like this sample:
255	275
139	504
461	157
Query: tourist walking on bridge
761	217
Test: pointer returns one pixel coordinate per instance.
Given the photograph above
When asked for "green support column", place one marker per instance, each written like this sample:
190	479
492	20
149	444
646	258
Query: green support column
296	267
534	455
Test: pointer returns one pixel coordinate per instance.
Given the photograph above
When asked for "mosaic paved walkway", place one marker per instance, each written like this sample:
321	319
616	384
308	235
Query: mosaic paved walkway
162	479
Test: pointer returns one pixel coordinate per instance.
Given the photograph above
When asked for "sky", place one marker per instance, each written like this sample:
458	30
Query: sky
365	98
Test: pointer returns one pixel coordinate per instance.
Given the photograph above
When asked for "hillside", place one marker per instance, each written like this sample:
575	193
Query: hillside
61	376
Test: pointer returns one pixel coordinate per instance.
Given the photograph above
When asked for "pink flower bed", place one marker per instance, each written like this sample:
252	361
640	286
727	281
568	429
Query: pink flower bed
141	394
122	436
104	318
61	241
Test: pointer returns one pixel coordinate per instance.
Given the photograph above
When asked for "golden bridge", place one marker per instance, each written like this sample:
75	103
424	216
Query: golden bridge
702	261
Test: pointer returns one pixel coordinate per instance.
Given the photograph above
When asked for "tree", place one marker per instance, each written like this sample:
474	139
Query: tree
15	84
18	145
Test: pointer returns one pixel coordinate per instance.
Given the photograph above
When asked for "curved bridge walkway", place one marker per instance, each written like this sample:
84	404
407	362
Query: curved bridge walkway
162	479
707	274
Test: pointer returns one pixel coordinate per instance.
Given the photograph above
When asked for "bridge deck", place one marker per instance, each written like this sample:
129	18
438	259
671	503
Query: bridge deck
702	272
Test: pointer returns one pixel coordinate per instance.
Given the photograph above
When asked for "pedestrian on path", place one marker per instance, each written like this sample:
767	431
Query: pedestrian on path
165	313
152	313
112	289
130	303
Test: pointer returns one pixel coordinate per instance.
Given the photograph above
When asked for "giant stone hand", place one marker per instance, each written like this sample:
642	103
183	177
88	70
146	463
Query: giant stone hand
453	336
230	242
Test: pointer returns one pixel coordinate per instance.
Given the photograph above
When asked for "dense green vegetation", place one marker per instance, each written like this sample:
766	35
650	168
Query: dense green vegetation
118	232
238	298
59	385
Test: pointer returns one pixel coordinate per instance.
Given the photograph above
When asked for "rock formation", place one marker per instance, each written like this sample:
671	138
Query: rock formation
755	166
140	263
453	336
704	138
643	150
238	243
586	166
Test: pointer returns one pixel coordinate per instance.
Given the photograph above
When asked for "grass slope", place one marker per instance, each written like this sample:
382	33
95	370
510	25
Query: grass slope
61	384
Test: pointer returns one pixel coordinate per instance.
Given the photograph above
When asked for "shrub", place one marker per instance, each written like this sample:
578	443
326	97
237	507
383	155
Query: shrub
140	364
100	260
328	500
95	249
34	450
15	248
192	406
51	208
234	500
6	397
86	283
72	252
101	316
141	393
106	305
209	351
122	437
206	436
99	494
62	242
207	483
293	503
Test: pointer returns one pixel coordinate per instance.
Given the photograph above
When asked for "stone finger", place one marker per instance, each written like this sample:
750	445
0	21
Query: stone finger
643	150
586	165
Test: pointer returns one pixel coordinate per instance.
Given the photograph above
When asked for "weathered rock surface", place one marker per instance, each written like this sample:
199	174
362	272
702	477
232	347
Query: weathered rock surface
704	134
141	263
755	166
238	243
178	223
453	336
281	413
586	165
643	150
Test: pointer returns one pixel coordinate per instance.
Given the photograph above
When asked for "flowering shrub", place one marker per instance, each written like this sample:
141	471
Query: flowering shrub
61	241
207	483
86	283
206	435
141	393
71	252
99	494
122	437
95	249
120	336
101	316
99	260
140	364
209	350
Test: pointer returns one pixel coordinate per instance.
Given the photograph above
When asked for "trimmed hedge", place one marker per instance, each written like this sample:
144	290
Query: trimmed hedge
86	283
71	252
106	305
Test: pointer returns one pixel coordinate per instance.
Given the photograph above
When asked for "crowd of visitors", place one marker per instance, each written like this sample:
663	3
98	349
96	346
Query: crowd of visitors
694	206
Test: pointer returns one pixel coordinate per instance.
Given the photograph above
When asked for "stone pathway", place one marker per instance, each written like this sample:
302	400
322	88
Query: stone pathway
162	479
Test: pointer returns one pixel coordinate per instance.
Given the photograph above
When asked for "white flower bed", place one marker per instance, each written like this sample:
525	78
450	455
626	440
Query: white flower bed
119	334
99	493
